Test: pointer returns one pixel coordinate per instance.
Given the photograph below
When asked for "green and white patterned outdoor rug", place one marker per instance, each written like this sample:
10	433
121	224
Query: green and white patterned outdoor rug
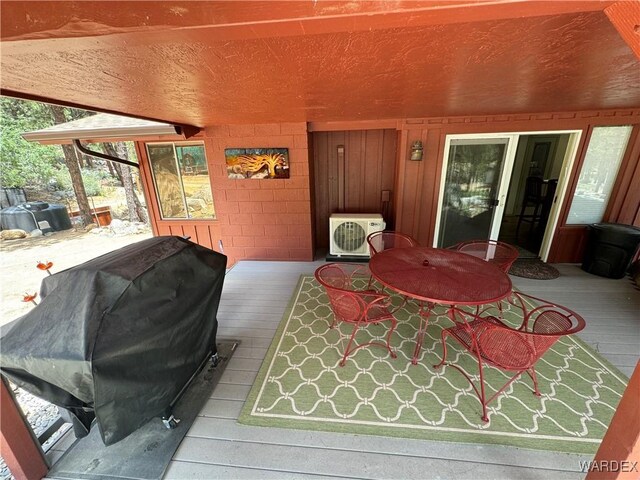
300	385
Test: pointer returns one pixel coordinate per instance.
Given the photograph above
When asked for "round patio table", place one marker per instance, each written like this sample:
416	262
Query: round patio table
439	276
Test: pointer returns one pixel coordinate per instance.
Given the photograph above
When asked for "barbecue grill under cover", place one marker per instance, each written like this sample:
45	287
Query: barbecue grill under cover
119	336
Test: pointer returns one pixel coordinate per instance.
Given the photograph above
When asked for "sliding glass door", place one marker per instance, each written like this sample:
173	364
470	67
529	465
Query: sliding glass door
476	178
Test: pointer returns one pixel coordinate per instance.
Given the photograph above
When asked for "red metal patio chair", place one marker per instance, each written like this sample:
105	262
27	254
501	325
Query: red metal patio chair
358	307
494	343
500	254
379	241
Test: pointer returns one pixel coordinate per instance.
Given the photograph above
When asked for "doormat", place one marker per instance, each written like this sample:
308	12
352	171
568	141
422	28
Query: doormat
146	453
533	268
300	385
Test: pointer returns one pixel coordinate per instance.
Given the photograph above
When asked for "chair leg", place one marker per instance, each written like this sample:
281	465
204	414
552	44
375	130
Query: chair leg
444	349
347	350
370	282
394	323
424	321
484	417
532	373
535	216
522	210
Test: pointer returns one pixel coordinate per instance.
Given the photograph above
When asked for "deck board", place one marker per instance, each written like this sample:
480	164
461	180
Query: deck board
218	447
254	299
332	461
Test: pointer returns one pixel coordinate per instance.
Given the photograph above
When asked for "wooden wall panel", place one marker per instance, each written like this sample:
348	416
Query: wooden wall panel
418	183
624	206
204	237
271	219
569	244
369	168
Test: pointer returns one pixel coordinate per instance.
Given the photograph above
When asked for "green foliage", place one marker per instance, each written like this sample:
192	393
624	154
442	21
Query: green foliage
23	162
92	179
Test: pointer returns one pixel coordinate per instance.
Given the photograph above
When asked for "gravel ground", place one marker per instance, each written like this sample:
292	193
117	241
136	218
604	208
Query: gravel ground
19	275
18	259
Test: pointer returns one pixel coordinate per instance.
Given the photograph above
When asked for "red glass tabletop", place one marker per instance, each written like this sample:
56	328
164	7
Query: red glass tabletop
440	276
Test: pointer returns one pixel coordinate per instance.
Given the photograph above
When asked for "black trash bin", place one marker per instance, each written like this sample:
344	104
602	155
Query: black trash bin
610	248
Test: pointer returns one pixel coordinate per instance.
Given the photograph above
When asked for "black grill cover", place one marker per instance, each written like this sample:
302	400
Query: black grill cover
119	336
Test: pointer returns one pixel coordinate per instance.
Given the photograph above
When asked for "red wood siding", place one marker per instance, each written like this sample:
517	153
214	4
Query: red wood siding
255	219
368	170
272	219
418	183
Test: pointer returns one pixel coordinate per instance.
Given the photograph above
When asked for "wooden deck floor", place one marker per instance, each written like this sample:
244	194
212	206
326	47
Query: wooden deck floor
254	300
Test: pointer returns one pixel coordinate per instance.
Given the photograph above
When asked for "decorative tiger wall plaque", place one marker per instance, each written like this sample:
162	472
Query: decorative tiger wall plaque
258	163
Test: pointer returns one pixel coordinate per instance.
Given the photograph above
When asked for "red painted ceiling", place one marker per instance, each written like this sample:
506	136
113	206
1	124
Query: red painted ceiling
206	63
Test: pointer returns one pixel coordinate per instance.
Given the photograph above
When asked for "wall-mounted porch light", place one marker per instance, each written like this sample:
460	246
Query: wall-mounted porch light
416	151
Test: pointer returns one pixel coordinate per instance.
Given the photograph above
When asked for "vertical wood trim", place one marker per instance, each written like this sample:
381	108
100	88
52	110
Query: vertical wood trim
419	199
312	191
18	445
621	442
364	174
147	186
191	231
401	180
436	161
342	168
388	172
203	233
176	229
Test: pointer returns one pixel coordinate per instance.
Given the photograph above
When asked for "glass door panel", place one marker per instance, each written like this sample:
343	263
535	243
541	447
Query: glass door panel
474	190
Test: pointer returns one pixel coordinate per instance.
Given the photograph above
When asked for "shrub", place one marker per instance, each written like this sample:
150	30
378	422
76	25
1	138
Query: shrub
92	179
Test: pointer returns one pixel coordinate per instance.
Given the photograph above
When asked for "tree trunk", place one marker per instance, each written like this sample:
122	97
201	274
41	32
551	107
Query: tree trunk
136	211
71	161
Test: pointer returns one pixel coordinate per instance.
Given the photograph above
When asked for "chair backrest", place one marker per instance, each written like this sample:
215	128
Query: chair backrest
500	253
379	241
544	322
514	349
533	189
347	303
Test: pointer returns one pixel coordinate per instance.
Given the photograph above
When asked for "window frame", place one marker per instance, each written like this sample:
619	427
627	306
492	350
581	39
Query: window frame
578	174
187	218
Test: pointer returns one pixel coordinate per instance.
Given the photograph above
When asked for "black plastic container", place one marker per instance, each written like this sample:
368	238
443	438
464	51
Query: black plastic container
32	215
610	249
12	196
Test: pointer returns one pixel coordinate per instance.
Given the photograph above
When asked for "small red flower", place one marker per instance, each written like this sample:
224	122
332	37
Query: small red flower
30	298
45	266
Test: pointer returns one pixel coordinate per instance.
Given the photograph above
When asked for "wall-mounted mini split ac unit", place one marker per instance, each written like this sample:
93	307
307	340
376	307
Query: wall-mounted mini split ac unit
348	233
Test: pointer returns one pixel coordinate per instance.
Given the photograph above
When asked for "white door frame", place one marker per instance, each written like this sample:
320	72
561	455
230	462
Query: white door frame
505	178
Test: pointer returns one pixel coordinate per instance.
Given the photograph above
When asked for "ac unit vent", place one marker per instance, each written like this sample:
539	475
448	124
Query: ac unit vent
348	233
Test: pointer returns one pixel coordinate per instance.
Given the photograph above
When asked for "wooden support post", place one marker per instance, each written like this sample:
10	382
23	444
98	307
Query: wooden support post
18	445
619	454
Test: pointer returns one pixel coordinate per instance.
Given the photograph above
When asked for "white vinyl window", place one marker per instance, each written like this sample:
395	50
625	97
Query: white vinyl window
599	171
181	178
